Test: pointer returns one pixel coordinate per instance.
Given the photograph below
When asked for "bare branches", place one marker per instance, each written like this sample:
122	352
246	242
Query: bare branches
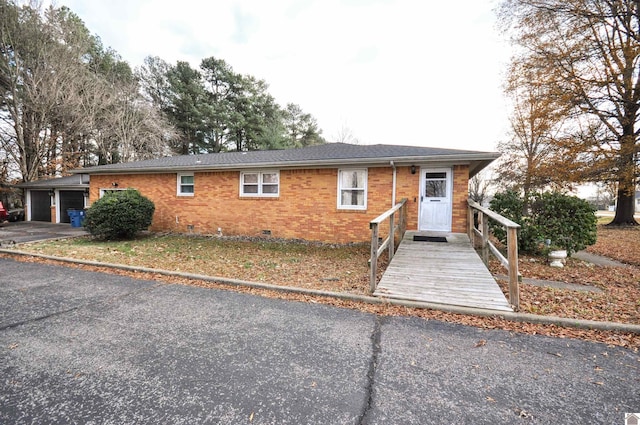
65	100
479	187
589	54
536	127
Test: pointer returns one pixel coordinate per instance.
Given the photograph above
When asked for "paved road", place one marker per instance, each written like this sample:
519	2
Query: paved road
83	347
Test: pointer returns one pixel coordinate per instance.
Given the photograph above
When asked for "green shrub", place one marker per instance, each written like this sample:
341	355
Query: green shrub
508	204
511	205
566	221
119	215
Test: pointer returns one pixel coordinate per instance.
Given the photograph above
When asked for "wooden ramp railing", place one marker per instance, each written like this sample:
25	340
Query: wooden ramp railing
395	223
482	231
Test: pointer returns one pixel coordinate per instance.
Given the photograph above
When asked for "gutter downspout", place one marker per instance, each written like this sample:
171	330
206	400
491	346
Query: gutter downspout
393	190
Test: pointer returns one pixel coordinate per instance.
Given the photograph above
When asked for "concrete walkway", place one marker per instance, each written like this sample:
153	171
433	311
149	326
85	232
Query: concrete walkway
554	284
598	260
585	256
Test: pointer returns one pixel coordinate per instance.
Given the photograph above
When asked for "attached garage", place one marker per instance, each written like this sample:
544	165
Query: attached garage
70	200
49	200
39	205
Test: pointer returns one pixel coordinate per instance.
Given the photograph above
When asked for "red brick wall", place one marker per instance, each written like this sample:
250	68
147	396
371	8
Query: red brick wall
408	186
460	196
306	207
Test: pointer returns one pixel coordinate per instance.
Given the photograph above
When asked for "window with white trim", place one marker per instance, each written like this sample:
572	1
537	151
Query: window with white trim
352	189
260	183
105	191
185	184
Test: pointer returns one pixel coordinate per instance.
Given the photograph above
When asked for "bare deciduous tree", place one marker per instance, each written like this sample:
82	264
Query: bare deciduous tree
139	128
536	129
345	135
480	186
39	60
65	100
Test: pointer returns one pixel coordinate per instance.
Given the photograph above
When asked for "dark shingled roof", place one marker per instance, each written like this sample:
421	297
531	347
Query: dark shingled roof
321	155
74	181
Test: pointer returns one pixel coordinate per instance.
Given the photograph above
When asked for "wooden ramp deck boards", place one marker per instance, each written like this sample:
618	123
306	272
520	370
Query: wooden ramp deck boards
445	273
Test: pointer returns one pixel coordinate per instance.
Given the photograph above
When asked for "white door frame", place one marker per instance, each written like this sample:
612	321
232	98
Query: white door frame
423	225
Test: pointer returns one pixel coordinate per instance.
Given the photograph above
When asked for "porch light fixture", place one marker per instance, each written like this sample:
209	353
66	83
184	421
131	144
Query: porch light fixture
114	184
413	169
52	192
86	191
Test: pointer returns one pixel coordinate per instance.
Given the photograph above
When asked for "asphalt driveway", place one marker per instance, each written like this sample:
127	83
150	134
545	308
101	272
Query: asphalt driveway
31	231
85	347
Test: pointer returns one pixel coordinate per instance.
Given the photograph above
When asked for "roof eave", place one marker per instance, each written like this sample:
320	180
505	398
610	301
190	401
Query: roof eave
480	158
54	186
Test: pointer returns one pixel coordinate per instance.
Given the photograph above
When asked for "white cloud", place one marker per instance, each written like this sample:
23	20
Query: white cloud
400	72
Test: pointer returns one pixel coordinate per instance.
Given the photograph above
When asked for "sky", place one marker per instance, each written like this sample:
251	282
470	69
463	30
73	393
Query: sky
404	72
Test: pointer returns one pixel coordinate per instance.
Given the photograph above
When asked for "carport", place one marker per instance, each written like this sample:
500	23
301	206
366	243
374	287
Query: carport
48	200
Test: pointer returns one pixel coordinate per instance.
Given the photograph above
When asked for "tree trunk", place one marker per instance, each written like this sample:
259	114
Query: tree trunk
526	188
625	209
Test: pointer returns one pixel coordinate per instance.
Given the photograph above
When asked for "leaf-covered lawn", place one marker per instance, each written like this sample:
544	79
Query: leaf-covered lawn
306	265
344	269
620	243
619	300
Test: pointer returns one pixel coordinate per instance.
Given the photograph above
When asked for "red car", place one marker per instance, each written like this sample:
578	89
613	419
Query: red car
4	215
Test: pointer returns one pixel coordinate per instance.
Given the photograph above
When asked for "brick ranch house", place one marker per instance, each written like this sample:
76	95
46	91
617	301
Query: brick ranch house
325	193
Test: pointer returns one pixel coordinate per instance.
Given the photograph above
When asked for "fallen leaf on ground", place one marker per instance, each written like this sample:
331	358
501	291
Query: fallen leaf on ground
523	413
307	262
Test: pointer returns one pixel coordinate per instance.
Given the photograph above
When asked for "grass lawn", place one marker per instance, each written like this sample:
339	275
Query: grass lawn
306	265
344	269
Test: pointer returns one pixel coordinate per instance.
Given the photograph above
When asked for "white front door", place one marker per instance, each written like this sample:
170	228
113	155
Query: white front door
435	199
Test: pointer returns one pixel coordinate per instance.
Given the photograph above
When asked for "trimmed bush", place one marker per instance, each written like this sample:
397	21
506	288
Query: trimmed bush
508	204
119	215
567	221
511	205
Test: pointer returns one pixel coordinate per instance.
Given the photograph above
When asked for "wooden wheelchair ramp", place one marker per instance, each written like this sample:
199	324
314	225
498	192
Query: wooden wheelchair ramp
441	272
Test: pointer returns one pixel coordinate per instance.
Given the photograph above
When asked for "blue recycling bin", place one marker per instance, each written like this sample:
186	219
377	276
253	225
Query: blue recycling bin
76	217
